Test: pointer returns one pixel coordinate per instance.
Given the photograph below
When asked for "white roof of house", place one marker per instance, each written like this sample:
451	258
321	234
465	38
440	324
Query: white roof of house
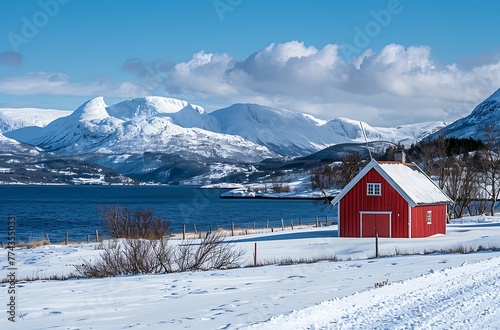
407	179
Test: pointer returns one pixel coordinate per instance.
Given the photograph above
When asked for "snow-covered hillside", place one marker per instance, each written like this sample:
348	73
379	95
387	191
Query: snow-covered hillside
285	132
297	134
14	118
11	146
411	133
134	127
168	140
158	124
485	113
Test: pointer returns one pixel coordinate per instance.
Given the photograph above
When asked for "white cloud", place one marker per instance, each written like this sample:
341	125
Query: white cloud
392	86
388	87
56	83
395	85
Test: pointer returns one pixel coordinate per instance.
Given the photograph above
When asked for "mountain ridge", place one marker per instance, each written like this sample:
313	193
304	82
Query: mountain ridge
486	113
284	132
92	129
168	140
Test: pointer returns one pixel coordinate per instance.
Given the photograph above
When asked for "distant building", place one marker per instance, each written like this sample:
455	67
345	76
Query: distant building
393	199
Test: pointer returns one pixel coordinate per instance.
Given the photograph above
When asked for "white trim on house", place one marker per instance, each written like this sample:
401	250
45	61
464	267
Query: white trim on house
409	221
428	217
353	182
373	189
338	220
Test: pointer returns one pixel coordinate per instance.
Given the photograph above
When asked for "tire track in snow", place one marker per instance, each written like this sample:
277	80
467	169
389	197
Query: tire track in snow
463	297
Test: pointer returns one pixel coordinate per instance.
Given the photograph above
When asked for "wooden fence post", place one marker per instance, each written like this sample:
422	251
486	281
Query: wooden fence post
88	238
255	255
96	236
376	245
317	222
195	231
47	238
267	224
66	241
300	222
291	222
282	224
232	228
184	231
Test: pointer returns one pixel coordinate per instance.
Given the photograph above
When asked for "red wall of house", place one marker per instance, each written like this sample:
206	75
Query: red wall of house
356	200
419	226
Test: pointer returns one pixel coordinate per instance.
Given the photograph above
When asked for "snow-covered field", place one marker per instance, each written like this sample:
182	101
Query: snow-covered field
434	291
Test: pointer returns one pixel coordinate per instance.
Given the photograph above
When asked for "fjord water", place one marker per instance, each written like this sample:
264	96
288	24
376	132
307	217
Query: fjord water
55	210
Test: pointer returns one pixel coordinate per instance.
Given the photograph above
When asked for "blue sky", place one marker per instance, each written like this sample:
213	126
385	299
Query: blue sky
385	62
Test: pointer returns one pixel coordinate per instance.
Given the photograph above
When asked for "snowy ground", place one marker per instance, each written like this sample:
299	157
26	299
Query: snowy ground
438	291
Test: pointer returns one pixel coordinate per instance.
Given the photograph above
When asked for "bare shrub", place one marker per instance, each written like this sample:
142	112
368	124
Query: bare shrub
281	188
38	277
214	253
141	256
110	263
122	223
165	257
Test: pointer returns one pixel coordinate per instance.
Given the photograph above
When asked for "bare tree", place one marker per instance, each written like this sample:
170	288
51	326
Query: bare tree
490	166
339	174
435	159
347	169
322	177
461	183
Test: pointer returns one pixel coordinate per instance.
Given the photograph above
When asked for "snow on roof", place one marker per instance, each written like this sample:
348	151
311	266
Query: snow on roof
408	180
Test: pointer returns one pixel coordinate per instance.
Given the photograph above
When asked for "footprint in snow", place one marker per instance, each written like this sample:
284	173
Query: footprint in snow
199	292
55	312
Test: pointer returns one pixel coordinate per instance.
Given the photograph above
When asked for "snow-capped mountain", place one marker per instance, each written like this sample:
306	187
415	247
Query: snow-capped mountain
296	134
11	146
168	140
166	125
485	113
285	132
411	133
135	127
14	118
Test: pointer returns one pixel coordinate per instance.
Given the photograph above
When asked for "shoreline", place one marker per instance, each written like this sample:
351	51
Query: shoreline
330	198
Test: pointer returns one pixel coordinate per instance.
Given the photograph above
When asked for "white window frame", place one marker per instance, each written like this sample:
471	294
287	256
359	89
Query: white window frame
374	189
429	217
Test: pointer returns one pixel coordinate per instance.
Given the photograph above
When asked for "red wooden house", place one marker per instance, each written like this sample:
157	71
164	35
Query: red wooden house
392	199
